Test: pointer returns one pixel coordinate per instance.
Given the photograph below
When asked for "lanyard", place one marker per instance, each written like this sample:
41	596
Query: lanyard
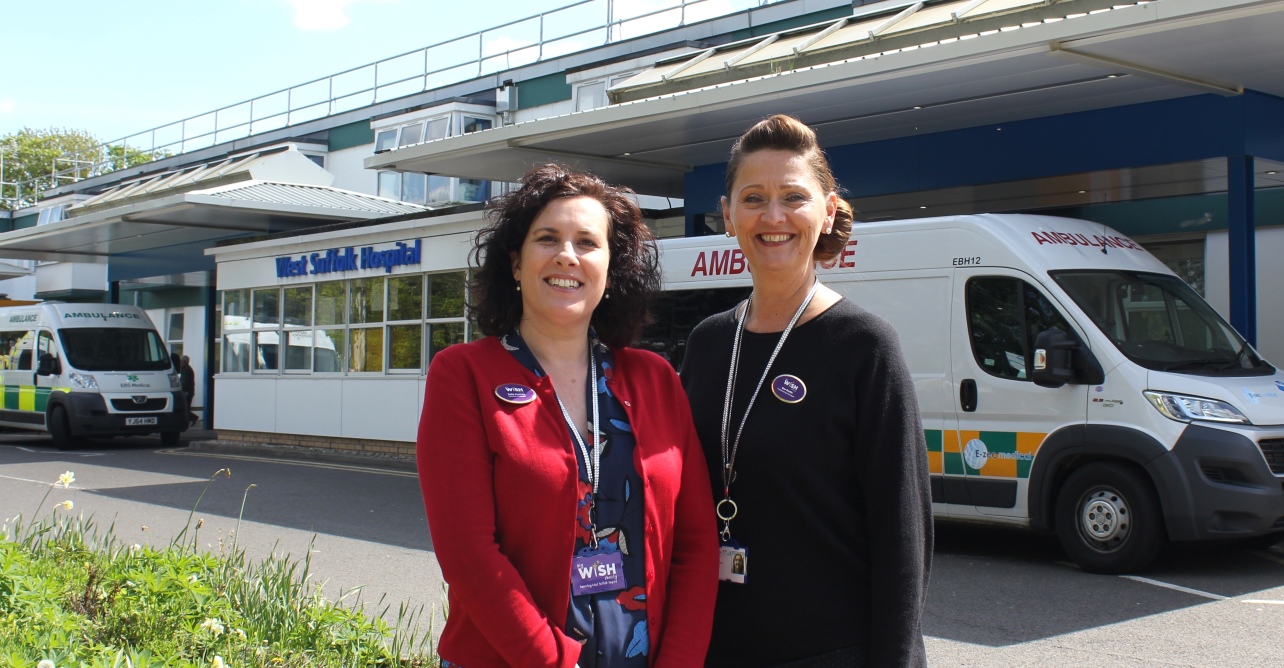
726	508
592	465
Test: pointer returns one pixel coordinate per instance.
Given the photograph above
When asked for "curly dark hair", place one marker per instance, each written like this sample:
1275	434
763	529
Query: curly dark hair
786	133
633	275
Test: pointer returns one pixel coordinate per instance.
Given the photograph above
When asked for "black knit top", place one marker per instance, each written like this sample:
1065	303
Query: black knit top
834	501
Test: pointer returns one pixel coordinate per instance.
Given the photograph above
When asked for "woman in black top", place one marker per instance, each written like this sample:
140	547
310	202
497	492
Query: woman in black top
815	445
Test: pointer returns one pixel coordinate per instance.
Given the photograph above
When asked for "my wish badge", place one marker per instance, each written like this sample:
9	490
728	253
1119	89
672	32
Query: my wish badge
513	393
594	572
788	388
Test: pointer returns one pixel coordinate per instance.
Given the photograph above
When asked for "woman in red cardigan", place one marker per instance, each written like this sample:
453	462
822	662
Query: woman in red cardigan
567	496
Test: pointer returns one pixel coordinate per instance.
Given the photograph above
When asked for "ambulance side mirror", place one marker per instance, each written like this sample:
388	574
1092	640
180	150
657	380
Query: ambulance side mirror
1054	353
48	365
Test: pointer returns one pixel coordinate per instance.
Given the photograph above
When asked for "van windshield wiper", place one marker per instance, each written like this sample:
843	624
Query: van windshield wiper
1195	364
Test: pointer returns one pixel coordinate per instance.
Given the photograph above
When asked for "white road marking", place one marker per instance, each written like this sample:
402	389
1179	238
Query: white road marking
44	483
1261	601
1166	585
61	453
294	462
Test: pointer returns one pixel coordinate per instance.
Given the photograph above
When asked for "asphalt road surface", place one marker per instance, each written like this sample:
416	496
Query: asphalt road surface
998	597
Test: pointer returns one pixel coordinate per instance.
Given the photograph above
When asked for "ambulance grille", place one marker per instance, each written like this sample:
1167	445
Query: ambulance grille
150	405
1273	449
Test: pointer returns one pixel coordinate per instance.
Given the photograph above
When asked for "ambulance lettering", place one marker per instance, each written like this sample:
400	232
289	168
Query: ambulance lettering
719	263
1095	241
844	259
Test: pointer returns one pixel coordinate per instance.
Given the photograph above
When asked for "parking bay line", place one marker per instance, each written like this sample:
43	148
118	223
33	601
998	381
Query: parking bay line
1197	592
293	462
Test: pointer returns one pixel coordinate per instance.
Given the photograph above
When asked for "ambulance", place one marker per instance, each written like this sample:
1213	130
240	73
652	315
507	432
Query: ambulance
1068	380
87	370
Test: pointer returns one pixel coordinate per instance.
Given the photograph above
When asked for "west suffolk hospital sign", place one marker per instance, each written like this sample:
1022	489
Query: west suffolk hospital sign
341	260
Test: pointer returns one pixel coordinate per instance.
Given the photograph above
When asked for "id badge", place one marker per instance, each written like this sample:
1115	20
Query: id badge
597	572
733	562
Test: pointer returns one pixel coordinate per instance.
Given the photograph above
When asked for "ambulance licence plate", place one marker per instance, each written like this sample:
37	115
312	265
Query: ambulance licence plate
139	421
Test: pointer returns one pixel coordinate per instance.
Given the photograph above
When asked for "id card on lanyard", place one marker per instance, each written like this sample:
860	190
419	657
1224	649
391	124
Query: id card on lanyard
733	558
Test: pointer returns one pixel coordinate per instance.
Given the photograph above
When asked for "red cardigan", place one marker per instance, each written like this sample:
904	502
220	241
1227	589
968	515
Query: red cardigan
499	484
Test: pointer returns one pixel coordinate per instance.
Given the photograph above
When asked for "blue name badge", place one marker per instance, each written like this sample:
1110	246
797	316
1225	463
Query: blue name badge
789	389
597	572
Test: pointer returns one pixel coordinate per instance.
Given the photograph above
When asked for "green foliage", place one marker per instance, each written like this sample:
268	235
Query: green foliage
37	160
83	599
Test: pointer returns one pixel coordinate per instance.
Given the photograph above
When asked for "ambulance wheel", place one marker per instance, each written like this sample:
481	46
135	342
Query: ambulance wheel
59	429
1109	519
169	439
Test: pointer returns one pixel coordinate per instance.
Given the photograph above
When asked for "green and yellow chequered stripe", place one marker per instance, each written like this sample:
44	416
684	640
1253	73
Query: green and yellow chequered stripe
1011	453
26	398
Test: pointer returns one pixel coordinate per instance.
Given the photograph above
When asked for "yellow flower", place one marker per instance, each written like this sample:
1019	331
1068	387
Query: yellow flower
66	505
65	480
240	633
213	626
217	662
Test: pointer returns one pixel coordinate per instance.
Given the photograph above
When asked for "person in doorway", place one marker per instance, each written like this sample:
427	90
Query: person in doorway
566	493
810	426
187	380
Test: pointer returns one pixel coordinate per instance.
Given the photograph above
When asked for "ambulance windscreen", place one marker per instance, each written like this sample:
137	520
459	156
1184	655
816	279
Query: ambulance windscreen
1160	323
114	349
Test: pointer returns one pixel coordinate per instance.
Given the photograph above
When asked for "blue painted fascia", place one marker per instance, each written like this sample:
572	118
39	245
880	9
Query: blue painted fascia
1153	133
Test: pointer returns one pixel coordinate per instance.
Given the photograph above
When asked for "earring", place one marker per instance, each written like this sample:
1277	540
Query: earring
606	296
519	287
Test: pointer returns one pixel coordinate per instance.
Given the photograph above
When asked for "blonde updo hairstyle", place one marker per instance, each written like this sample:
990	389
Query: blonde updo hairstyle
786	133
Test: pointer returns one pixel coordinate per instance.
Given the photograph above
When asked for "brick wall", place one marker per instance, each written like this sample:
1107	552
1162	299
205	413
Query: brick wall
366	446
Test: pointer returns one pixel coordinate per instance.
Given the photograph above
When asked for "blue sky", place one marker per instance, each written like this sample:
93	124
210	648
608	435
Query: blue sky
117	68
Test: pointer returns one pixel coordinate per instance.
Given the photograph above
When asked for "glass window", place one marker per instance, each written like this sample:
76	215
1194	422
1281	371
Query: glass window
15	349
367	300
298	350
411	134
438	189
318	160
298	306
414	188
438	128
175	327
267	308
444	334
1160	323
406	298
590	96
1004	317
236	353
994	322
446	295
331	298
328	347
405	346
266	345
114	349
390	185
236	309
385	140
366	351
475	124
473	190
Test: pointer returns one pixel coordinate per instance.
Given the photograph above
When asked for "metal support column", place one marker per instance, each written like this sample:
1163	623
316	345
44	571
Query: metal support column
1243	253
213	330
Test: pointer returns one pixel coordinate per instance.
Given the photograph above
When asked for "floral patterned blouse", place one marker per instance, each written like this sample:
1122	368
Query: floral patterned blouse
612	624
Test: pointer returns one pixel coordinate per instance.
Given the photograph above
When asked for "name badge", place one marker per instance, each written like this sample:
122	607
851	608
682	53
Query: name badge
597	572
789	389
733	562
515	394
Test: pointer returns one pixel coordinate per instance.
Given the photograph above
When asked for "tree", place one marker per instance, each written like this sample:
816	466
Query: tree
37	160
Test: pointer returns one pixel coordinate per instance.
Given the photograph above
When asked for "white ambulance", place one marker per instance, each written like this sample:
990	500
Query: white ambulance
87	370
1068	380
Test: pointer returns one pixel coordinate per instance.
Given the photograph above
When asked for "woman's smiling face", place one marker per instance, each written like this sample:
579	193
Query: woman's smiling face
777	210
563	263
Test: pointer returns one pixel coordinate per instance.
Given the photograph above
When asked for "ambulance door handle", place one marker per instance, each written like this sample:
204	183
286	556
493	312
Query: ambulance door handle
967	395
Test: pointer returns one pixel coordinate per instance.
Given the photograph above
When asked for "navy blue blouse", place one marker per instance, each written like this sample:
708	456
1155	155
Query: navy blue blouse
612	624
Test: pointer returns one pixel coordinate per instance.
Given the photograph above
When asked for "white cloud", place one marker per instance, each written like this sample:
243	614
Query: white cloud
320	15
6	105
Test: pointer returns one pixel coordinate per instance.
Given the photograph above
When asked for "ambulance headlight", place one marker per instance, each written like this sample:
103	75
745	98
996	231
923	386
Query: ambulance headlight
83	381
1185	408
